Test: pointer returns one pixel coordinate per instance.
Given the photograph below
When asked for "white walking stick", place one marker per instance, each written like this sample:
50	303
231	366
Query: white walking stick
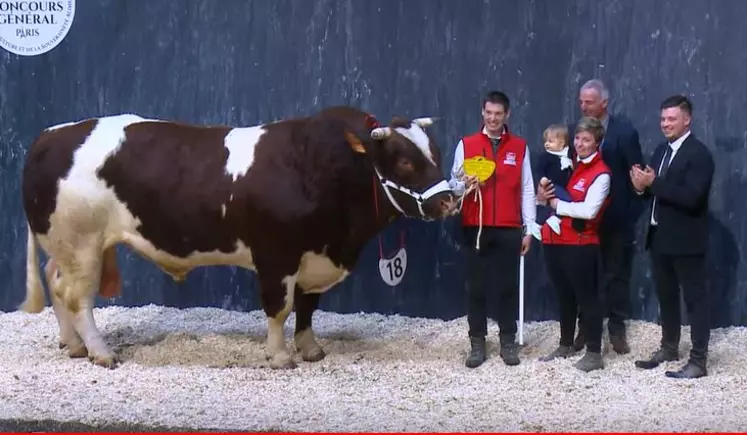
521	301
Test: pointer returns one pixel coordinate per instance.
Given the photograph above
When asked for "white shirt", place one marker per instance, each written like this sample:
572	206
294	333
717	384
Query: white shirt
675	146
528	206
595	196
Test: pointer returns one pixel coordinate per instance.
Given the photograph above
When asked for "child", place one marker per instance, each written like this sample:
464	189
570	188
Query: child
555	166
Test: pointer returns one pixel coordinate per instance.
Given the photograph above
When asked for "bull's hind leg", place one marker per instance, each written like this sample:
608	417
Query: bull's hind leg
82	273
277	301
68	337
306	304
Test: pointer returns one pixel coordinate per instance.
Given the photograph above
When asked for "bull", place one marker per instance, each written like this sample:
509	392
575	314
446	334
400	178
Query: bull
295	201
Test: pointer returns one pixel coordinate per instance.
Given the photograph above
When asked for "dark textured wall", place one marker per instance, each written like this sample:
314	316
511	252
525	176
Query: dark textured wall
245	62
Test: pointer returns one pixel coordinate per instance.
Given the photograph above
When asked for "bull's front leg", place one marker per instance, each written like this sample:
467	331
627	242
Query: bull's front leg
277	302
306	304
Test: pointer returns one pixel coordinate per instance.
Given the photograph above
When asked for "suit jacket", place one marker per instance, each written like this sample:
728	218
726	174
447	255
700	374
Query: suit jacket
621	149
682	200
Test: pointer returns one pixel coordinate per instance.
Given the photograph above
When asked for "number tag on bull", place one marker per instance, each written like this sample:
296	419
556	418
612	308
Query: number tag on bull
392	270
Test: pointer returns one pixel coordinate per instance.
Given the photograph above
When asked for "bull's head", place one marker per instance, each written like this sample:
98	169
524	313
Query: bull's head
408	165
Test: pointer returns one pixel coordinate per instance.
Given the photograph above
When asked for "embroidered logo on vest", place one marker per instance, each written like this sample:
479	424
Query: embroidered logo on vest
510	159
580	185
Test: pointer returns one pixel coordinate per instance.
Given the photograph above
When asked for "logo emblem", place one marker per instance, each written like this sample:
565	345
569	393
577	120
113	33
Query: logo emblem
510	159
34	27
580	185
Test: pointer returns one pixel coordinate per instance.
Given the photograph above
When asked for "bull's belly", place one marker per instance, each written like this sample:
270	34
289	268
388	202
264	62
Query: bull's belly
317	273
178	267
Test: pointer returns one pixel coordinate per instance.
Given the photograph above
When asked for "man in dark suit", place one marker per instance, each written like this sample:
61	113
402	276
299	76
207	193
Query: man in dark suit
620	150
677	233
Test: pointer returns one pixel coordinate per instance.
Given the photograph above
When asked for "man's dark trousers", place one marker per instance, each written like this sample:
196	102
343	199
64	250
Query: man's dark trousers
493	273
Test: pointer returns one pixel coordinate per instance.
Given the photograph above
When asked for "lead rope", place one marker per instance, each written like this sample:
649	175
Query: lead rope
376	206
477	197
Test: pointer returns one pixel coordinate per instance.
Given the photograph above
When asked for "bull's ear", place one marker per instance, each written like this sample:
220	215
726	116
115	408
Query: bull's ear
355	143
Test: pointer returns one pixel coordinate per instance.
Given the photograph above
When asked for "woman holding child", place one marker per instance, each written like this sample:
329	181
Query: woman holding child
572	248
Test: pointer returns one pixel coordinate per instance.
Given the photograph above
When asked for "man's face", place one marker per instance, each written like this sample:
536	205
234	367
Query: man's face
674	122
592	103
494	115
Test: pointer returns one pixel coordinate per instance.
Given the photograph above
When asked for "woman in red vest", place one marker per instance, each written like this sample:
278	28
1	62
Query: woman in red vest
572	256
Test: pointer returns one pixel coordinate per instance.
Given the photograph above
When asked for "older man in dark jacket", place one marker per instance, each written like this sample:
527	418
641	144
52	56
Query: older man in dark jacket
620	150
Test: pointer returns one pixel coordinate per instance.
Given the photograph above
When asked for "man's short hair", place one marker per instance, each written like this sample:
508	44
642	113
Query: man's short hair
497	97
597	85
680	101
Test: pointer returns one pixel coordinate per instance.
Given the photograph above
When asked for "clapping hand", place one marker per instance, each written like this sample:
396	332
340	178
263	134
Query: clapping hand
642	178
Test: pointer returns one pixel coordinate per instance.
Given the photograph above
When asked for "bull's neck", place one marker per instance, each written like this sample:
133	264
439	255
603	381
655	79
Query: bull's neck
379	211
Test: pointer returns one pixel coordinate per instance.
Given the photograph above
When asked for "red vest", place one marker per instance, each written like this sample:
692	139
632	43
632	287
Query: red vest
501	194
583	176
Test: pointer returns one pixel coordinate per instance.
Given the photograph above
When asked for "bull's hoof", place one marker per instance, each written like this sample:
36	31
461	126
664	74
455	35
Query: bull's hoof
283	361
62	345
314	355
106	361
79	351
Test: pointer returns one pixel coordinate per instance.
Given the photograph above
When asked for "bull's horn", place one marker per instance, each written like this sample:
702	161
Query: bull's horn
424	122
381	133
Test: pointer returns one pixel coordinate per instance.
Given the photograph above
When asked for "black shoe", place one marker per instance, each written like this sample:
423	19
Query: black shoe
560	352
657	358
477	353
509	350
688	371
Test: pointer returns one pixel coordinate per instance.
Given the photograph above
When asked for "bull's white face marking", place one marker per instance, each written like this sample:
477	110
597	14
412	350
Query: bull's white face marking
317	273
240	143
419	138
223	210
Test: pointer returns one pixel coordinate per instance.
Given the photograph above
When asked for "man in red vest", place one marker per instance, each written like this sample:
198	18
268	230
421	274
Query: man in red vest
508	214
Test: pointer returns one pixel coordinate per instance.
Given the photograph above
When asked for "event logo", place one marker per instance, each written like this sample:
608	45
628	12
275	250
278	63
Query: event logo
33	27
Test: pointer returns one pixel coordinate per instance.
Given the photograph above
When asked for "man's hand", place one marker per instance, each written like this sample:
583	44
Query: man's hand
642	178
554	203
470	181
526	242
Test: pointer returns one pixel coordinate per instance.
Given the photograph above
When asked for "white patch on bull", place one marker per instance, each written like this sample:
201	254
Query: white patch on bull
276	351
64	124
419	138
223	210
317	273
240	143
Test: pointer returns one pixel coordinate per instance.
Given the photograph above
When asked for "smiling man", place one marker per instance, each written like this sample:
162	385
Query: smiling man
678	188
507	205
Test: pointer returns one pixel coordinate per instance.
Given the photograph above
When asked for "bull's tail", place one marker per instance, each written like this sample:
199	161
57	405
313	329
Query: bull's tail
35	300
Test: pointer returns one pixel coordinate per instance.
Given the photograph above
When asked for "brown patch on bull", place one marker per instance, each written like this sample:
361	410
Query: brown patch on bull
184	214
48	160
111	283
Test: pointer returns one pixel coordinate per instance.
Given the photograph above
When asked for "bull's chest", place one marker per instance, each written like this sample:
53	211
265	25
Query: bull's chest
317	273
